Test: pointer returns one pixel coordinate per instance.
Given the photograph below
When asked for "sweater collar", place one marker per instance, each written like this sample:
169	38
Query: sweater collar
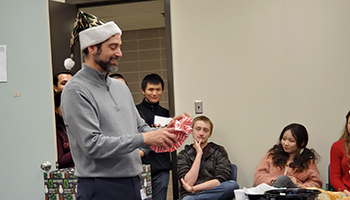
95	76
152	106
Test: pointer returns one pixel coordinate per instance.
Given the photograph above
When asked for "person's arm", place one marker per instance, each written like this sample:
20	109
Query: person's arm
144	151
200	187
64	159
183	168
314	177
81	117
192	175
263	172
80	113
222	172
335	172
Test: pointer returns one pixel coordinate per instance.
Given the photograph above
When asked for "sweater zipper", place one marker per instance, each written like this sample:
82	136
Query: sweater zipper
110	94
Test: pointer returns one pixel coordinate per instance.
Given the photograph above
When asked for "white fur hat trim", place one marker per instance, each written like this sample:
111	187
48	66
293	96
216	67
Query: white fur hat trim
98	34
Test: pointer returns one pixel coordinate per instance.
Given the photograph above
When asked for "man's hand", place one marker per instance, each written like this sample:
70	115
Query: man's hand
186	186
197	146
156	125
162	137
142	154
179	117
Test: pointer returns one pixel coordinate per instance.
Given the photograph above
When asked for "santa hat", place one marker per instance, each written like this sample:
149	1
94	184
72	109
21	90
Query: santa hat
90	30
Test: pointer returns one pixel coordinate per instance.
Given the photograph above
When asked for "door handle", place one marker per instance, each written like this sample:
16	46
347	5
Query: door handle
46	166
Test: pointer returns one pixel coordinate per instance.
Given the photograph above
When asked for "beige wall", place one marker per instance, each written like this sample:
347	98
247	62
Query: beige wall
144	52
260	65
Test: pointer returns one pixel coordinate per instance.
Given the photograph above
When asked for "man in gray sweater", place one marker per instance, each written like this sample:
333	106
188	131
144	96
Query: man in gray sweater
104	128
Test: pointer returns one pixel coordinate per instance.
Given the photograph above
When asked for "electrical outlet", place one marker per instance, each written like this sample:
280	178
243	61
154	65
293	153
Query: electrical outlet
198	106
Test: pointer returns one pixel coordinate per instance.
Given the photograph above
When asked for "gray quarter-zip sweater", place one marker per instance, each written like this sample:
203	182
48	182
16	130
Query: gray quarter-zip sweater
103	125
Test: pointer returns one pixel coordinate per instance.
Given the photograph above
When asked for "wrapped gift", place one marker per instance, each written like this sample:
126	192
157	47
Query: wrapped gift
146	183
183	129
60	184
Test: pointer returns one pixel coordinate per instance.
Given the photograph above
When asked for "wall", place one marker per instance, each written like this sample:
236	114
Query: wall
26	122
144	52
62	17
260	65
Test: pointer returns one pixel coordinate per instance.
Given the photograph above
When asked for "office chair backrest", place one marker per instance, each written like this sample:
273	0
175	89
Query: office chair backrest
234	172
328	185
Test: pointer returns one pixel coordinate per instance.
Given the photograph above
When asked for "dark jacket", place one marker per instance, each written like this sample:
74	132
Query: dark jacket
159	161
148	110
214	164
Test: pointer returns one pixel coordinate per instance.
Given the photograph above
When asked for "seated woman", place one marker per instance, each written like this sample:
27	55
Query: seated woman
339	171
64	156
289	163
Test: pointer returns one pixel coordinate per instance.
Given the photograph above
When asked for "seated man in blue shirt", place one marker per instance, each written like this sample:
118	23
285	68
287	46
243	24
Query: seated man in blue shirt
204	168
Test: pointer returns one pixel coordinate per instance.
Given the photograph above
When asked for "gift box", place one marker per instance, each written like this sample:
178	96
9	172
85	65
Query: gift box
60	184
183	129
146	183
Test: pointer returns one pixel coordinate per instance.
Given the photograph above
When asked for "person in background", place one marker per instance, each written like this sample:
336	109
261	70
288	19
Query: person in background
289	163
104	128
60	79
63	151
152	87
117	76
339	171
204	167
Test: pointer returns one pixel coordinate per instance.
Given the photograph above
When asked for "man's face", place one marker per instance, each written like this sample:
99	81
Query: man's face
153	92
201	130
109	53
62	80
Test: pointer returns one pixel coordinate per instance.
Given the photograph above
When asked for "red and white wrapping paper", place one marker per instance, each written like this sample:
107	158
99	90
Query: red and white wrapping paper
183	128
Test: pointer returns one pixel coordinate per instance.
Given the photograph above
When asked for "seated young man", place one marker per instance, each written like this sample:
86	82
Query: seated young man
204	168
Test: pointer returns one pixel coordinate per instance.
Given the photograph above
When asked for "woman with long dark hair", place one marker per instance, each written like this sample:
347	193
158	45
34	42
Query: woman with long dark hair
289	163
340	161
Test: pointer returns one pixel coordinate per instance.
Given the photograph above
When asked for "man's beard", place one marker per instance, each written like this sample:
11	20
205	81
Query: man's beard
106	66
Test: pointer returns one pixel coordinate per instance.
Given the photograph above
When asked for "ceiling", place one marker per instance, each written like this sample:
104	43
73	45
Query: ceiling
131	16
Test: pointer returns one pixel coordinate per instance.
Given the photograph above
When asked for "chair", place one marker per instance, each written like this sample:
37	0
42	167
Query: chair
328	185
234	172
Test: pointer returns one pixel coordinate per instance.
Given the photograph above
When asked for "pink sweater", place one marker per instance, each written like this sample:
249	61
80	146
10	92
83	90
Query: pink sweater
266	172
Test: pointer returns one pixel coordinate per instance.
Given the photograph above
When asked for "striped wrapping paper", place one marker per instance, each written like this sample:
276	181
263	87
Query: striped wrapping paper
183	128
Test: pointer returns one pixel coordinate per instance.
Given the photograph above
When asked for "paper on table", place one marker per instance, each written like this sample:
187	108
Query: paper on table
240	194
162	120
260	189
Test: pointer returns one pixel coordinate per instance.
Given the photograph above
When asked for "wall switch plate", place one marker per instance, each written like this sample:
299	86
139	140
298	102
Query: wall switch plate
16	94
198	106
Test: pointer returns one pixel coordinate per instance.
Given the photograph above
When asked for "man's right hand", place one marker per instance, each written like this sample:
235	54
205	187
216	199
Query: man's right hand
162	137
197	146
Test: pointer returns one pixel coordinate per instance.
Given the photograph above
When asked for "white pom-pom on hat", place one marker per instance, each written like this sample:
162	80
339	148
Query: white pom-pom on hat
69	63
